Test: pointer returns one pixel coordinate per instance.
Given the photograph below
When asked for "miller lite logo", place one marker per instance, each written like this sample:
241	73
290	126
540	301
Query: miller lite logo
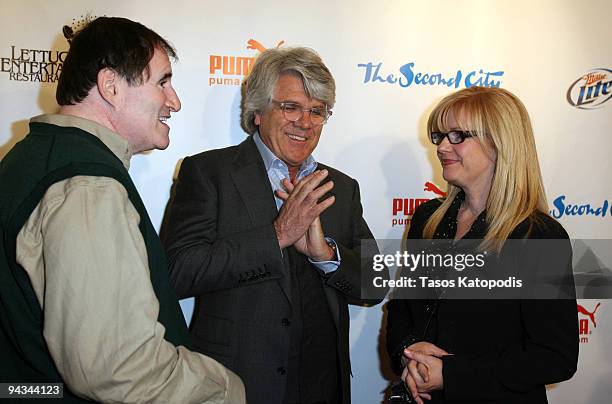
591	90
406	206
586	318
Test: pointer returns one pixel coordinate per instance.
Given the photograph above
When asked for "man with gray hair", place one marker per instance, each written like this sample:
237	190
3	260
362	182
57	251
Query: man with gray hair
268	241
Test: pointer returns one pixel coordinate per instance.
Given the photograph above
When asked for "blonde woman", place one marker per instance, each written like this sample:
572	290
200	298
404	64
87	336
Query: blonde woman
496	351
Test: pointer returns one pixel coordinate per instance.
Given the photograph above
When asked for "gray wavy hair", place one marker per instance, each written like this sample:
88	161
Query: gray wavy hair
258	87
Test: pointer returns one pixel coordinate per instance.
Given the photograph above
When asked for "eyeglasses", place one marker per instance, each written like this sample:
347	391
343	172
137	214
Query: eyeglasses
294	112
454	136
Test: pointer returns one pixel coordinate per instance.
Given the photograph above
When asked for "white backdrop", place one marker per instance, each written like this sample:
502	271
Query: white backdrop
536	49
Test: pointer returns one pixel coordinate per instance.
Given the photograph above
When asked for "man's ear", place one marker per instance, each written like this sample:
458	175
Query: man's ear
257	118
108	85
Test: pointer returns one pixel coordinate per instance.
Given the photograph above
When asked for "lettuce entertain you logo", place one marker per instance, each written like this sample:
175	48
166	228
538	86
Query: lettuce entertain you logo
409	75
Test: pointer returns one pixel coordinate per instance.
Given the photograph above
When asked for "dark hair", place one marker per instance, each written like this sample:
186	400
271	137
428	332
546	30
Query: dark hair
107	42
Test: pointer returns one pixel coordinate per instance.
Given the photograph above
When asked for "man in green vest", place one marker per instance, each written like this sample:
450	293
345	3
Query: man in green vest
85	298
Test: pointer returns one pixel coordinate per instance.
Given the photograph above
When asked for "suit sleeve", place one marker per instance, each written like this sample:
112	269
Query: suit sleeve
200	260
355	272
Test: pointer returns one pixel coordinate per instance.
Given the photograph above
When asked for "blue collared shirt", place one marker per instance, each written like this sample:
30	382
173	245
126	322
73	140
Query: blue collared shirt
277	170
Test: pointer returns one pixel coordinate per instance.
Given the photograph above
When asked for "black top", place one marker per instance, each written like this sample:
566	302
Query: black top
503	351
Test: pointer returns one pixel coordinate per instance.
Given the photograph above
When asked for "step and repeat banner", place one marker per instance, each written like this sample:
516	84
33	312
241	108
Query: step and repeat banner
392	61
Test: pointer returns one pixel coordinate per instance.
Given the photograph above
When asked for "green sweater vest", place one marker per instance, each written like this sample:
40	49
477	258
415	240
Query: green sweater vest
47	155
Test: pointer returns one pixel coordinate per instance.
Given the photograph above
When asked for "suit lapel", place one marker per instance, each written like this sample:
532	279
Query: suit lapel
252	183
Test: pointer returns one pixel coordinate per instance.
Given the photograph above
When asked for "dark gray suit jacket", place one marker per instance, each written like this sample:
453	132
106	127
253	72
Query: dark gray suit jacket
223	250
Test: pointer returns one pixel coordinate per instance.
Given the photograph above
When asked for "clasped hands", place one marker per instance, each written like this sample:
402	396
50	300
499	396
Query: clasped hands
423	370
298	222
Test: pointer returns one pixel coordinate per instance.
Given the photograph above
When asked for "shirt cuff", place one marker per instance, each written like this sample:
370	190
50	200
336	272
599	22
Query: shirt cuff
328	266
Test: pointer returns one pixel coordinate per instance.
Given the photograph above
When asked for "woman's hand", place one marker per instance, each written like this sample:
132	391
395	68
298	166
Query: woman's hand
423	369
411	384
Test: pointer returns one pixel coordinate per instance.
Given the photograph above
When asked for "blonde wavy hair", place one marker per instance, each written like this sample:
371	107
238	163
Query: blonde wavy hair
499	120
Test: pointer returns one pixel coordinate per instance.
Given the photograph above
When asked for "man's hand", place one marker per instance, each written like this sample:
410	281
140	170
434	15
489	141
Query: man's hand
298	222
313	243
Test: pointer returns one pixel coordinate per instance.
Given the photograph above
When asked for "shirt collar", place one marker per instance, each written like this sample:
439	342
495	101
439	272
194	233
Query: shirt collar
118	145
272	161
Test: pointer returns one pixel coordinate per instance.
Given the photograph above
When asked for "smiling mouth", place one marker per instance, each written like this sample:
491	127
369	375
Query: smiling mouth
297	138
163	119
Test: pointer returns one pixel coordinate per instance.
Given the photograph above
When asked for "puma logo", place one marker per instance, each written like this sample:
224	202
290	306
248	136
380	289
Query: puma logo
591	315
431	187
253	44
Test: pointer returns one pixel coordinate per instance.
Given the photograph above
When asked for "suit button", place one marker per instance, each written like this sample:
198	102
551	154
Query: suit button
286	322
281	371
